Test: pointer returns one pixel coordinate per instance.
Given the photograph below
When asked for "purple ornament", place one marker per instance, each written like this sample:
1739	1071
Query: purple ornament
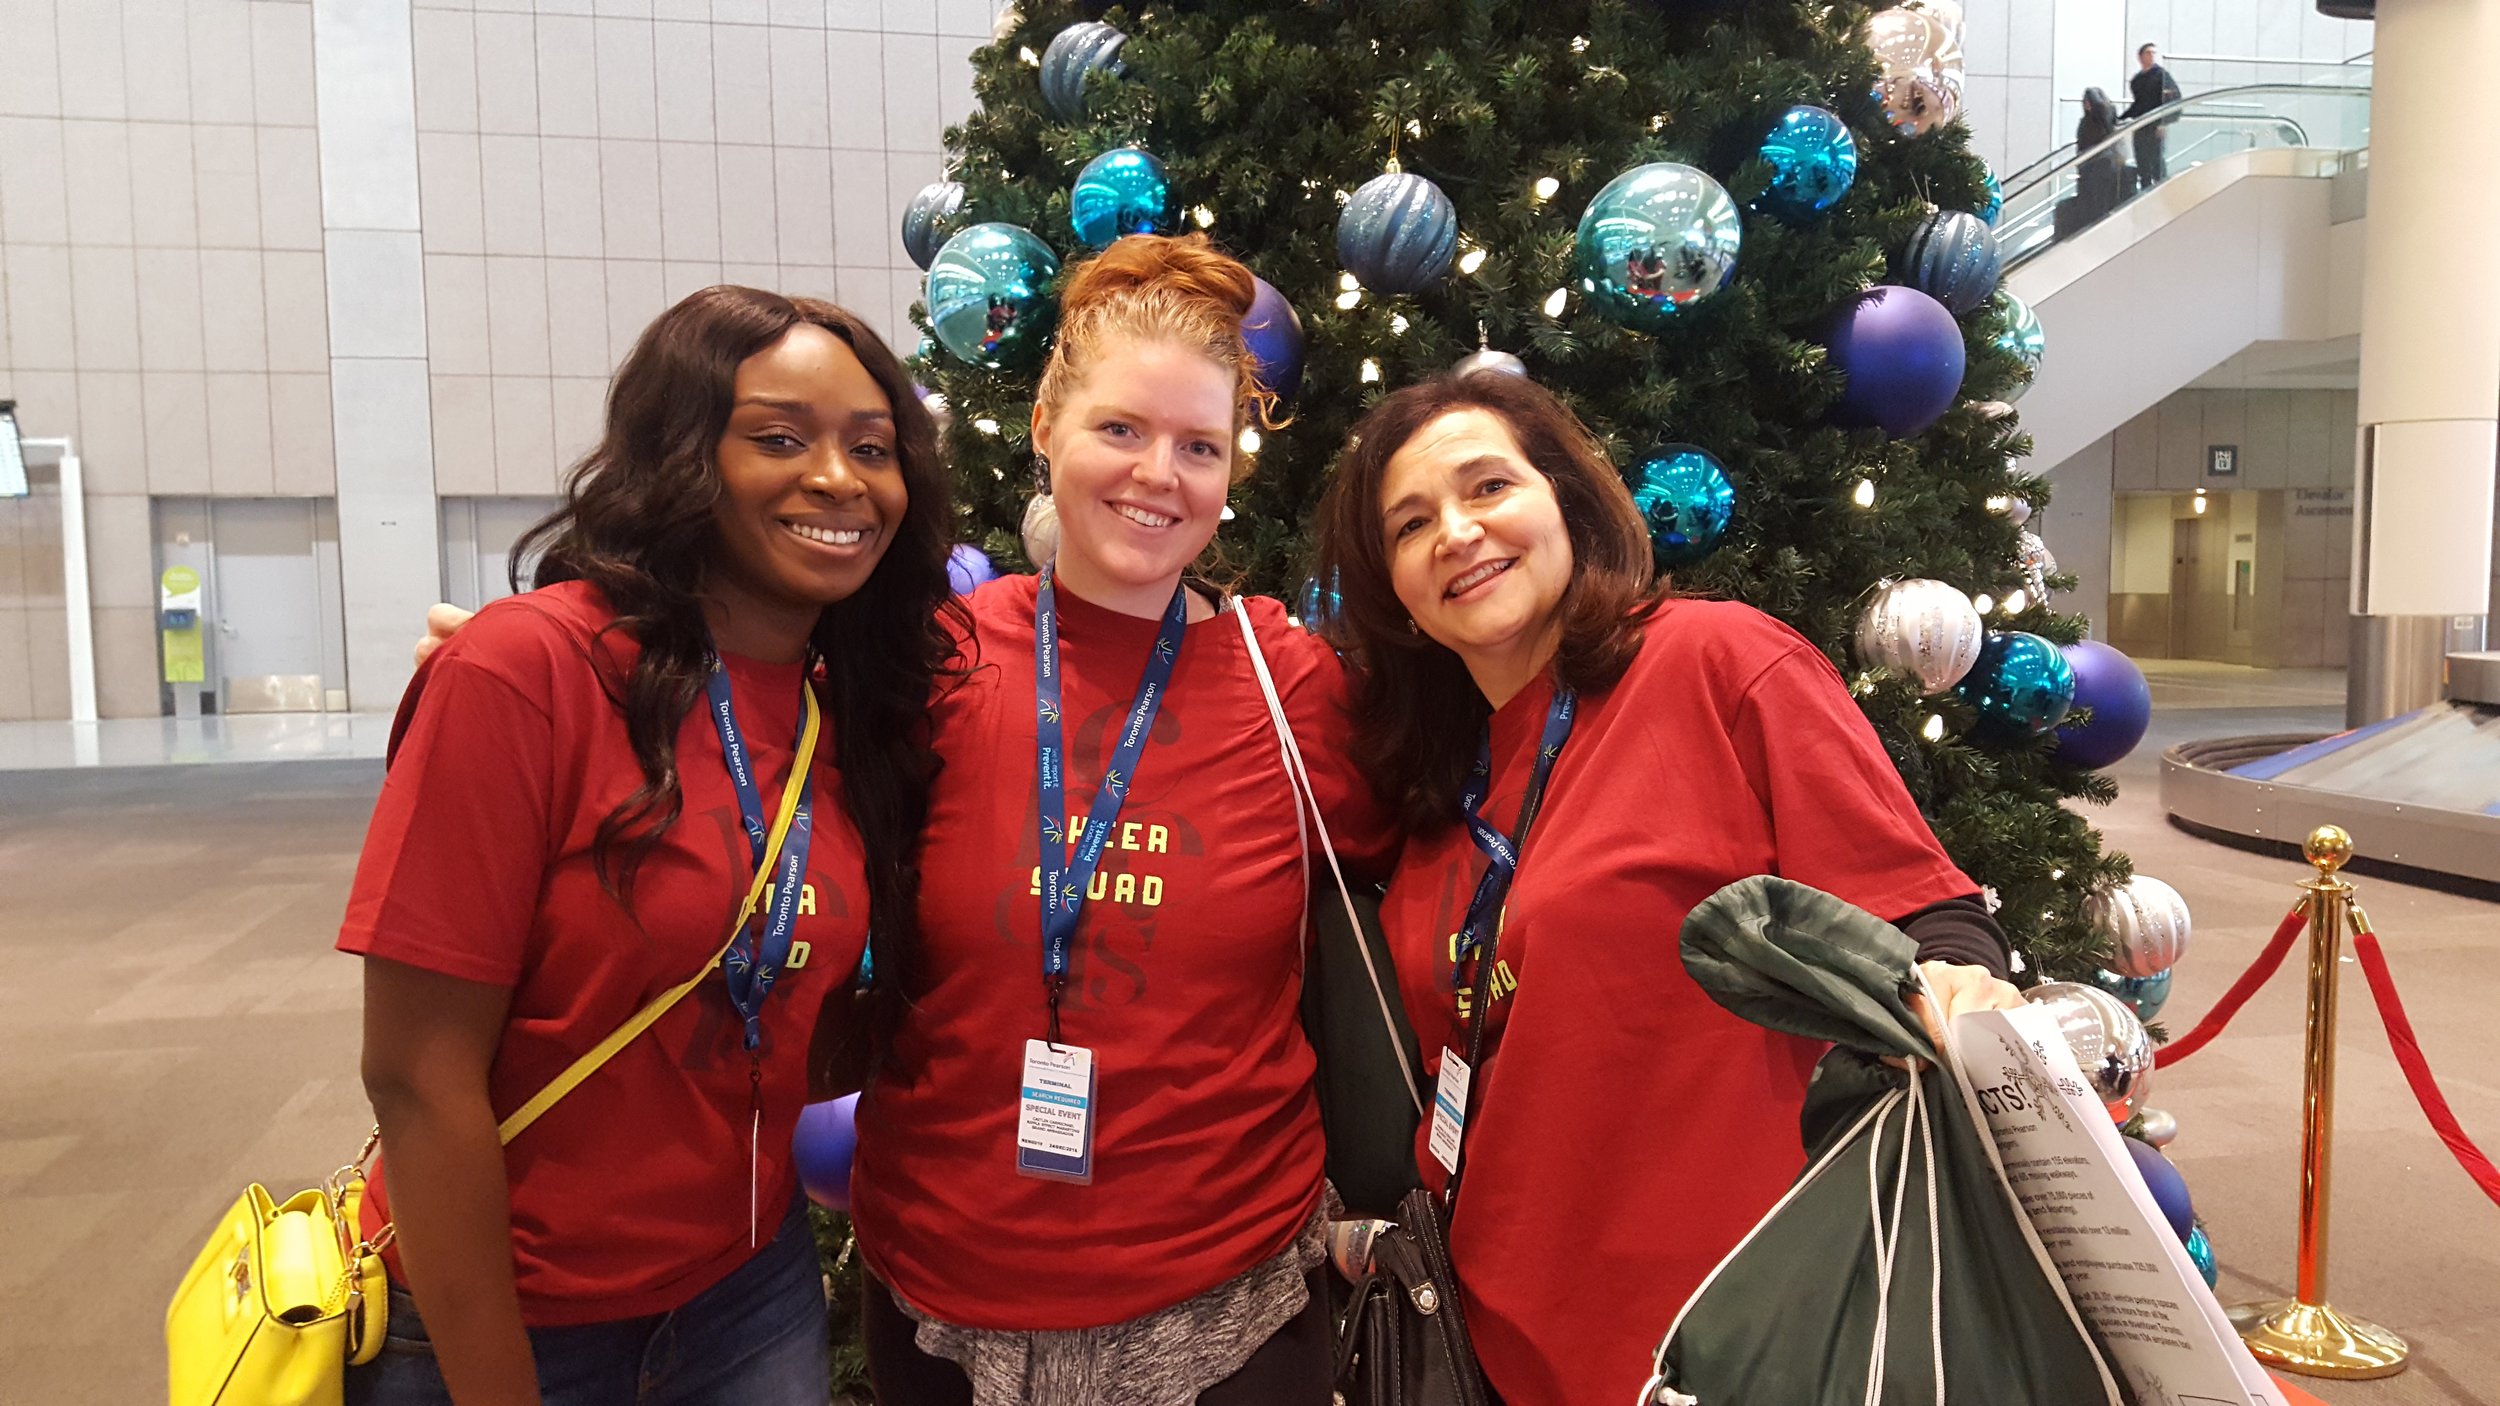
1273	331
822	1146
967	567
1902	351
2168	1187
2108	683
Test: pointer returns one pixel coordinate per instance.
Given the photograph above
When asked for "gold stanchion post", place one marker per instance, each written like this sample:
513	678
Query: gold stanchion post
2305	1334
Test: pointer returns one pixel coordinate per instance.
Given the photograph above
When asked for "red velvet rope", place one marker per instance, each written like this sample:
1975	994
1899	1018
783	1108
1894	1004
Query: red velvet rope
2391	1012
2257	975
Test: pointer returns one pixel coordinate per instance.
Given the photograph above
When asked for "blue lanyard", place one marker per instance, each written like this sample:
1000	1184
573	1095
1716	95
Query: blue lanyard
1065	875
1501	852
755	958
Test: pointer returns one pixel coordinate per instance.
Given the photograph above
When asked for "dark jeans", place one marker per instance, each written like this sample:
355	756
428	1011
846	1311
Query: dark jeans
1289	1369
2150	163
756	1338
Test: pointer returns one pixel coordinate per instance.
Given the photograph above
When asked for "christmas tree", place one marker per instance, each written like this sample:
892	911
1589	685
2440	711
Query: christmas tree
1268	116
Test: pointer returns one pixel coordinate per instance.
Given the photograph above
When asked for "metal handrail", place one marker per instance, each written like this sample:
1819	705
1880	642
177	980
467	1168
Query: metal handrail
2066	153
2241	118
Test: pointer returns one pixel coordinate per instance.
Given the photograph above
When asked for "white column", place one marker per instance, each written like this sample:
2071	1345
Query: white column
364	66
2430	361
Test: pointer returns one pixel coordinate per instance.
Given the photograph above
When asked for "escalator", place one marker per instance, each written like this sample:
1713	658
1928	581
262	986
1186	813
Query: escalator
2254	238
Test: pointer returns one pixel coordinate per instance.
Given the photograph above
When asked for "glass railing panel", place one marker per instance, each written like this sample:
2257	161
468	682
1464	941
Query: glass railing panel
2057	199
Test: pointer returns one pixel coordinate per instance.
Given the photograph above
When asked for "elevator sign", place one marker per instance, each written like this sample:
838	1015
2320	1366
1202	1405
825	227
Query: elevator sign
2222	461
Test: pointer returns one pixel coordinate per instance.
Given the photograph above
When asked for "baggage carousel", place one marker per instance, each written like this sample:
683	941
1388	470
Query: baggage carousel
2421	789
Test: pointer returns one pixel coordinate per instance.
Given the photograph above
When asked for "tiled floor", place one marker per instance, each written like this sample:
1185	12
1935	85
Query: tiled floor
245	737
173	1023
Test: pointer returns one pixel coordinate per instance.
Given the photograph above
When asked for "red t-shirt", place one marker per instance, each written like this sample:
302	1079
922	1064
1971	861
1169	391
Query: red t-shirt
1628	1130
1185	980
630	1196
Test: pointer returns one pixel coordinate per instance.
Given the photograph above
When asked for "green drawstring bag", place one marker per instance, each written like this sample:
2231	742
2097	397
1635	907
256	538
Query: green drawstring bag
1899	1268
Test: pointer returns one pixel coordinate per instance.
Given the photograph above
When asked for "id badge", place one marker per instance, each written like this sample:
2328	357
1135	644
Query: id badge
1055	1113
1449	1109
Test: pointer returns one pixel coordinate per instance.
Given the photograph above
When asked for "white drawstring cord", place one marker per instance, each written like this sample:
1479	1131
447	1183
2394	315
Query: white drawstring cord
1935	1237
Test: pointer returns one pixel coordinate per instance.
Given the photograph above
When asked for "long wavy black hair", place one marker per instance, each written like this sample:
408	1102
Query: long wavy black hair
637	523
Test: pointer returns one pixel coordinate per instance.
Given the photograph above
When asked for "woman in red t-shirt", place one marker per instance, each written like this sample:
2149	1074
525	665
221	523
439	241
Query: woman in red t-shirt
1515	647
1090	1171
564	834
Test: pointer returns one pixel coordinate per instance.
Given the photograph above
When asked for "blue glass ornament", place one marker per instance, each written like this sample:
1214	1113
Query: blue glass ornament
1685	496
2018	331
968	568
1398	234
2201	1250
1995	204
1319	606
985	296
1075	52
1273	332
822	1146
2144	995
930	218
2108	683
2021	686
2170	1191
1815	161
1904	357
1952	258
1122	191
1656	240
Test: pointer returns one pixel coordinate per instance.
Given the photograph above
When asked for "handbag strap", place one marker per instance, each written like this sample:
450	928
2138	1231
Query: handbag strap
641	1020
1307	799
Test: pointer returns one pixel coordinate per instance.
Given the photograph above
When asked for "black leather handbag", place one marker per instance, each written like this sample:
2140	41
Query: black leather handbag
1402	1339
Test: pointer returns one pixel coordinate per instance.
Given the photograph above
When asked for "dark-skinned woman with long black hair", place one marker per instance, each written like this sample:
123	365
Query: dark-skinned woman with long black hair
721	699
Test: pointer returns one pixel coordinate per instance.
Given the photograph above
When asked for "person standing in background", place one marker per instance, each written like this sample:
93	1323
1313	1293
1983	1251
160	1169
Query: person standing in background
2151	88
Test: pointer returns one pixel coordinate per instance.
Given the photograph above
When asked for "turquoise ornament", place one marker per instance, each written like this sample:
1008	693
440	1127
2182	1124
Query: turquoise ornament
2144	995
1687	500
1995	203
2201	1250
985	295
2021	686
1814	161
930	218
1953	259
1658	239
1398	233
1123	191
2018	331
1074	52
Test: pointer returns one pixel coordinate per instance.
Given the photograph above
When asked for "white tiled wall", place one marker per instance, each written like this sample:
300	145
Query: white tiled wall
2018	110
215	274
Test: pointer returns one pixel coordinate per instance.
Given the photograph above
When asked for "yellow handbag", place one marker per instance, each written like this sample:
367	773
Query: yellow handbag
285	1297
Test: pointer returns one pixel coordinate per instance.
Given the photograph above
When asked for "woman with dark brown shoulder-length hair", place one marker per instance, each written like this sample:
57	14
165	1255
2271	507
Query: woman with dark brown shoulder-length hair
1581	757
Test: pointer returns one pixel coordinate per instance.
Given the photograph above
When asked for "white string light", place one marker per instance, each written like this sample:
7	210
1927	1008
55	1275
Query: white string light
1471	261
2014	603
1983	602
986	425
1371	370
1348	282
1546	186
1250	439
1031	59
1864	494
1203	216
1934	730
1349	298
1556	301
1397	325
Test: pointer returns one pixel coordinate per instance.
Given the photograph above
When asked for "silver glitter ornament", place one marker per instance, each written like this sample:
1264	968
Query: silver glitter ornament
1041	530
2032	552
1487	359
1926	629
2108	1042
2146	924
